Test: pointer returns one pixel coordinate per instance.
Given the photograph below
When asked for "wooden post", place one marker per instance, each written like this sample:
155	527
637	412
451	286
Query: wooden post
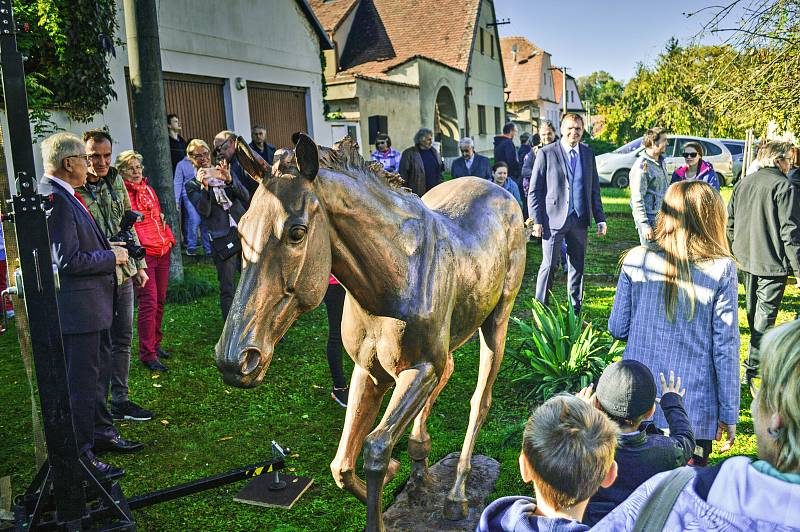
147	91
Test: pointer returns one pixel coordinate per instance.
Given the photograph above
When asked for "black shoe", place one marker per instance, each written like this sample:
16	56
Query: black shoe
117	444
130	410
162	354
340	395
155	365
104	470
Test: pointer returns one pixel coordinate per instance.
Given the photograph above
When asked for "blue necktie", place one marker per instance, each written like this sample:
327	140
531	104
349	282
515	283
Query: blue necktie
573	160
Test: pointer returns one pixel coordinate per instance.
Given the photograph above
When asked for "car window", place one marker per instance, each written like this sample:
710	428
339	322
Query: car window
710	148
735	148
670	147
680	144
629	147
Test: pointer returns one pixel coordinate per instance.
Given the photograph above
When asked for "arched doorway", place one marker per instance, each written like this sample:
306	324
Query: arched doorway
445	122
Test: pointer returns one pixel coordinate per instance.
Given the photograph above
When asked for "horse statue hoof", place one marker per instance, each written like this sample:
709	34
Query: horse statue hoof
455	509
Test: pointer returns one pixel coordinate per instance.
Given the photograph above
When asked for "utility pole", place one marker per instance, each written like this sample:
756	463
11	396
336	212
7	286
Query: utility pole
564	90
147	90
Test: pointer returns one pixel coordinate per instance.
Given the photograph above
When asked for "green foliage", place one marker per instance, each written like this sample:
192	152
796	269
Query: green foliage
599	88
559	354
671	94
66	45
599	146
192	288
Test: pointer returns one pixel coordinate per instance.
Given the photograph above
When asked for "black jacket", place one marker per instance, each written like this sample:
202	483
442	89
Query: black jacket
764	224
86	264
211	212
505	151
645	454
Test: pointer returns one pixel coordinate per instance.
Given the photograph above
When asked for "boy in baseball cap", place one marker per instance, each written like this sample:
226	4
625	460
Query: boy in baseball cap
626	393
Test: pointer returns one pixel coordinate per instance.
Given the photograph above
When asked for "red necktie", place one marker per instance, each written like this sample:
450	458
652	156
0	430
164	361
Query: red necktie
80	199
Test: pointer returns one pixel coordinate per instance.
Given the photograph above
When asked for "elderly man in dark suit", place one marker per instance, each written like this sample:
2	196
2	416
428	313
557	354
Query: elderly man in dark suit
470	163
563	198
86	265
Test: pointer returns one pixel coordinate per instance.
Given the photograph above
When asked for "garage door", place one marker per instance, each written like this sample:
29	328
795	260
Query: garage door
281	109
198	100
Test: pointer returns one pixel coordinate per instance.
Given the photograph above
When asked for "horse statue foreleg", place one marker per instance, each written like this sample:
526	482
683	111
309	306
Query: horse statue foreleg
363	405
419	441
413	387
493	339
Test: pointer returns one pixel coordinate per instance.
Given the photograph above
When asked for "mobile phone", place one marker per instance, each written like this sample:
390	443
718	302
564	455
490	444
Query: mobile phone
213	173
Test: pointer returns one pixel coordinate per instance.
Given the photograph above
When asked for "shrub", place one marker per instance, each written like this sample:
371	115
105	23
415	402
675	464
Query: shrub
190	289
558	353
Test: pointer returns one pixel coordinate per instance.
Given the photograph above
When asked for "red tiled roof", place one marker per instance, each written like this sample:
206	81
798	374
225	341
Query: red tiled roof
558	88
331	12
440	30
523	68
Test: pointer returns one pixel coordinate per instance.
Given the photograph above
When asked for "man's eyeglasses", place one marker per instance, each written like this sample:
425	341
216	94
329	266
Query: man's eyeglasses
81	155
218	149
688	155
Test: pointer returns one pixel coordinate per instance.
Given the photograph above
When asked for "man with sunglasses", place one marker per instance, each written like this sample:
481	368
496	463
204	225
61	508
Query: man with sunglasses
649	182
225	148
86	264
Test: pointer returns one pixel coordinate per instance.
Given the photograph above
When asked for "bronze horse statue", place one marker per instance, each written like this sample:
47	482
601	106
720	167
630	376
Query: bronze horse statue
422	275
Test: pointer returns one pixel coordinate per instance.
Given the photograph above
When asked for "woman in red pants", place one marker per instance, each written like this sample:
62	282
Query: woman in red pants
157	239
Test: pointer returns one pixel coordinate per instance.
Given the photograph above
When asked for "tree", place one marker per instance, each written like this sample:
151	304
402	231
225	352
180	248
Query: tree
766	37
671	94
599	88
67	43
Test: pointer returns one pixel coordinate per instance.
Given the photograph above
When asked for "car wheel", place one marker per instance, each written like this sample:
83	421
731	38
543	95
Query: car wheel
621	178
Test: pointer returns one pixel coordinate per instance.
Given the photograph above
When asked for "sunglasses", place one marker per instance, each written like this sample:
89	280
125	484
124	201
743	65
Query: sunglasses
688	155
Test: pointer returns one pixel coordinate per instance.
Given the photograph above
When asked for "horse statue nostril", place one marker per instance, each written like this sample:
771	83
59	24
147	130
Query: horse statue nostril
250	360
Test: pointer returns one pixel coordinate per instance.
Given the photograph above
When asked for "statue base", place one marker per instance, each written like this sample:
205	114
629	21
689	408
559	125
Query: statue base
422	511
261	491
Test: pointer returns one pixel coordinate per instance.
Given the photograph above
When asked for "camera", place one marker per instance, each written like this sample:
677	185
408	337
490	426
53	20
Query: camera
126	235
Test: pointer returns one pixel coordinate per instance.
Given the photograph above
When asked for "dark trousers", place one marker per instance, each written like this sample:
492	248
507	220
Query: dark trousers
226	274
334	304
88	372
575	234
151	299
763	297
121	334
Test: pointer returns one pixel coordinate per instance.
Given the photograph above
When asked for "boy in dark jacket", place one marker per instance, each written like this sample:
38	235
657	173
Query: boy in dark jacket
567	453
626	392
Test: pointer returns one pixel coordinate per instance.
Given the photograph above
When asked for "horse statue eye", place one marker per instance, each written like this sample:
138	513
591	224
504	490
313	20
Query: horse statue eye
297	233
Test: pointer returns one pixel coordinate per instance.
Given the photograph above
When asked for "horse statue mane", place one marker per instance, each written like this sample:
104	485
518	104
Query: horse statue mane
343	157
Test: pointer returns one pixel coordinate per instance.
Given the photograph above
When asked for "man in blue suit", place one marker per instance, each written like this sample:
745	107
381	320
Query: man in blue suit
86	266
470	163
563	198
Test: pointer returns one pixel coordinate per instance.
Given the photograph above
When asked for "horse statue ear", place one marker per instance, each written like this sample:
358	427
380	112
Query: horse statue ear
251	161
306	155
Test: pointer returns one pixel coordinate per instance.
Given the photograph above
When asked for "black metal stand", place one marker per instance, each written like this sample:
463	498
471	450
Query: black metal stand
65	494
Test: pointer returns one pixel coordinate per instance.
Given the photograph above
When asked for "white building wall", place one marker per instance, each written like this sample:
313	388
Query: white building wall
270	41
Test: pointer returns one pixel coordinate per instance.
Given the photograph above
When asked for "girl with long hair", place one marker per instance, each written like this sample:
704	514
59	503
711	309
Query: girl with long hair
676	305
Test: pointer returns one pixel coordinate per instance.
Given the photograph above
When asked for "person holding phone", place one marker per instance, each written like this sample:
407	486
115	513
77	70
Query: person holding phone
221	200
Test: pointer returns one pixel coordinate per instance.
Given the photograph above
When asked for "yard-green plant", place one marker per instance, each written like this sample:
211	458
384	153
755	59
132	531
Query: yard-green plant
559	352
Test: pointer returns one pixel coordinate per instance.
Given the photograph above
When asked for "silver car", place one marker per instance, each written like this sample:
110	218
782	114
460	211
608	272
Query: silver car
614	167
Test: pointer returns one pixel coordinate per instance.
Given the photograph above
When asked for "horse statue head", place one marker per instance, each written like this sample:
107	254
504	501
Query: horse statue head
286	254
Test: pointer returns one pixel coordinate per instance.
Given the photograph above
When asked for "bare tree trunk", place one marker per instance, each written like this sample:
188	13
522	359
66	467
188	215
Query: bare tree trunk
147	90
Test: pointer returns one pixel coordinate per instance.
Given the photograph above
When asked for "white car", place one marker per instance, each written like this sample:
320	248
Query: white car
614	167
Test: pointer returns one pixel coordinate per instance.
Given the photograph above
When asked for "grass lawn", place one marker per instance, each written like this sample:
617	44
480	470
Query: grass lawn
203	427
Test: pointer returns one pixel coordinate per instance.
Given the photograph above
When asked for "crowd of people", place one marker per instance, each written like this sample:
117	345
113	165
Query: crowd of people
596	459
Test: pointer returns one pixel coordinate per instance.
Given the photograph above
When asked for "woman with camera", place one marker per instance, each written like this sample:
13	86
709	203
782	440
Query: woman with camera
220	200
157	240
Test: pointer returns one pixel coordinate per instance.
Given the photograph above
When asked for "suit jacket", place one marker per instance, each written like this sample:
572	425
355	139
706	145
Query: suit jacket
86	264
548	197
215	217
412	169
480	167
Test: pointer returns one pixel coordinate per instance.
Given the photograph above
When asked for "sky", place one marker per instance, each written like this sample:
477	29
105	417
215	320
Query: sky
610	35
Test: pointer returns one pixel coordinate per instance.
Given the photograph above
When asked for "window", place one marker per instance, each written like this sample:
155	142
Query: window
497	125
710	148
481	120
482	47
491	44
736	148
